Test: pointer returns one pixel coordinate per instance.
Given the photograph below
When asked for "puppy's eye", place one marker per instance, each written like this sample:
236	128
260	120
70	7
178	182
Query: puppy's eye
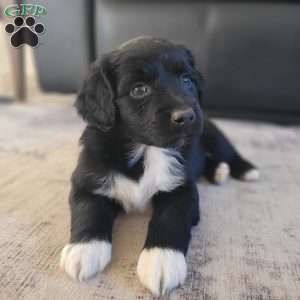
186	81
140	91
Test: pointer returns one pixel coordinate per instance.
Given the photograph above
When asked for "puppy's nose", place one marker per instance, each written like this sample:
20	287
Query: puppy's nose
183	117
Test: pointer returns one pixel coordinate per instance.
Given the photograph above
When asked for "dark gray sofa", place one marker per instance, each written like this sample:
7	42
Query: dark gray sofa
248	51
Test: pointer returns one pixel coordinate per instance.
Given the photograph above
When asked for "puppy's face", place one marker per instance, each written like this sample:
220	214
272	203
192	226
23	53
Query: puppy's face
148	89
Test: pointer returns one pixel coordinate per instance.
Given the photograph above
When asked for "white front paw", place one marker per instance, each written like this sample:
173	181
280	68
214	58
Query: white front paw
161	269
84	260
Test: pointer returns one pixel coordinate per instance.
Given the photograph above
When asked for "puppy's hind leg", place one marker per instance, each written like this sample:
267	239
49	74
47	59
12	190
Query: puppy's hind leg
216	171
243	169
223	159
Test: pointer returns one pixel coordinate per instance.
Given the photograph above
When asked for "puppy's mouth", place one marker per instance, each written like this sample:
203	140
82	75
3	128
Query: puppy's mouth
178	141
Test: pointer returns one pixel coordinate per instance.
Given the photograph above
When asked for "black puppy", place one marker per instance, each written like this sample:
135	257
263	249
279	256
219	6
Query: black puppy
146	141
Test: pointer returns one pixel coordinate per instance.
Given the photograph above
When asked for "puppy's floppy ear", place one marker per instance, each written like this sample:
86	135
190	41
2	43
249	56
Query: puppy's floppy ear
199	79
95	98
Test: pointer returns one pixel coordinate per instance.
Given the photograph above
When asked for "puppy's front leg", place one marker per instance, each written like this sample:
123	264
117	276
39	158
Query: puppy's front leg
161	265
89	250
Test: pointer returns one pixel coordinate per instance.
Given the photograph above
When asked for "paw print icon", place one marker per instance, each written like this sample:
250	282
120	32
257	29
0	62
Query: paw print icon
24	31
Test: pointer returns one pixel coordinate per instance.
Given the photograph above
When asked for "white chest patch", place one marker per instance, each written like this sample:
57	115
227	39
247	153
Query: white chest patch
162	172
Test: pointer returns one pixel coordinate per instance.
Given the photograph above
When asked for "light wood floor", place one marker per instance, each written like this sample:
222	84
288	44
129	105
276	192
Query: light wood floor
247	245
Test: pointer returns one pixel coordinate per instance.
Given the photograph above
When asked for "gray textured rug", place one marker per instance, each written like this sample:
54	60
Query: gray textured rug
246	247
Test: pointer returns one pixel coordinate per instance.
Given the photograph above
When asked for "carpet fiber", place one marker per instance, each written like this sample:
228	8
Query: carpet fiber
246	247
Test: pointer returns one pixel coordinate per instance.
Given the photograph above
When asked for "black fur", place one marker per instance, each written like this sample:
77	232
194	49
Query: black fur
115	121
95	99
